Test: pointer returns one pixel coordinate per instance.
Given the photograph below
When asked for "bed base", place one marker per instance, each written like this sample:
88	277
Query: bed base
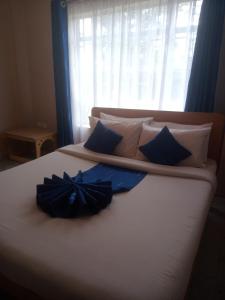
215	149
17	292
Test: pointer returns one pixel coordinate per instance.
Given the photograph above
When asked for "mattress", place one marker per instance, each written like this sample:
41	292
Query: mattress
141	247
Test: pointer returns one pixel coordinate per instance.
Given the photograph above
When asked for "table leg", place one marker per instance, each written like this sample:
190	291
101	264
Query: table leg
38	148
9	149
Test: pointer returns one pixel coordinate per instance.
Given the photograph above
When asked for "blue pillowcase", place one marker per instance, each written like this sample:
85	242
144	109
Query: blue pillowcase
103	139
164	149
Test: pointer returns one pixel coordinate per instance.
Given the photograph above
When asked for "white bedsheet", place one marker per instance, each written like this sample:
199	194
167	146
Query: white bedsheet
207	173
141	247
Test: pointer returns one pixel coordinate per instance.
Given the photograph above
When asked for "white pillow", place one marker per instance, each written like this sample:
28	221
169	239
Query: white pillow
129	130
146	120
172	125
194	140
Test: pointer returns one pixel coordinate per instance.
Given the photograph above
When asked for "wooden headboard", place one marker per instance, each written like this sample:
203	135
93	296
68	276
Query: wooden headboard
218	120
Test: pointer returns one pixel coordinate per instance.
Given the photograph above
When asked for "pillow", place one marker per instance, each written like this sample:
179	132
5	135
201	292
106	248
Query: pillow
164	149
129	130
172	125
194	140
103	139
122	119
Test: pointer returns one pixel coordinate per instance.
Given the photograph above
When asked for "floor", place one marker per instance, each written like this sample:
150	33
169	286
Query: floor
208	277
7	164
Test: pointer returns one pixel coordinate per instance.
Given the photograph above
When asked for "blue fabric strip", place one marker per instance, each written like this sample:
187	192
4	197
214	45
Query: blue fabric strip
122	179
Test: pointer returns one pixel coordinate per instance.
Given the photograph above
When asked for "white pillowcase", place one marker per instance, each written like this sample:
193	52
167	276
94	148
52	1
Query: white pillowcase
146	120
129	130
172	125
194	140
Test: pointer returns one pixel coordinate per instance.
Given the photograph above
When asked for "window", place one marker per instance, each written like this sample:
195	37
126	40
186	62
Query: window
132	54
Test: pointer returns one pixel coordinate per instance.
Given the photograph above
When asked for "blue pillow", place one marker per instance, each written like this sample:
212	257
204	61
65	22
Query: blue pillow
164	149
103	139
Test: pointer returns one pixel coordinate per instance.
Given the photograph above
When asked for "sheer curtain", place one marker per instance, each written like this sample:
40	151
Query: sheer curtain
130	53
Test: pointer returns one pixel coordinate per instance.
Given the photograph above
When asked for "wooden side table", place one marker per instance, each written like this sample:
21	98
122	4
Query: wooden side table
35	136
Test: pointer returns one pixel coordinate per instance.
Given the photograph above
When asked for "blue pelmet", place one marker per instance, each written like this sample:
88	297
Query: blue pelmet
86	193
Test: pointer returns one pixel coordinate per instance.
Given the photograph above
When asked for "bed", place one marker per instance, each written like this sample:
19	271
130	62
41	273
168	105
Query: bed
142	246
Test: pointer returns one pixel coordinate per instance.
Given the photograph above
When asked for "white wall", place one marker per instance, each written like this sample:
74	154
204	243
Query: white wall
26	66
39	37
8	113
19	35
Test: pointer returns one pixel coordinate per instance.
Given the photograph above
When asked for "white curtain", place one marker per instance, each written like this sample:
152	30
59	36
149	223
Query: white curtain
130	53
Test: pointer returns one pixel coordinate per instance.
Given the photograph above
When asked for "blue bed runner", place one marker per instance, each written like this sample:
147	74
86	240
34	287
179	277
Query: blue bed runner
86	193
122	179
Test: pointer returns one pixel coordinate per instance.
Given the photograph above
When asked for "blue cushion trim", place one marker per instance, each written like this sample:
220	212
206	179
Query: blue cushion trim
164	149
103	139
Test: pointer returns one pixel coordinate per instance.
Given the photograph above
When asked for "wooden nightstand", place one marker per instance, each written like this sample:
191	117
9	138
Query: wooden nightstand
25	144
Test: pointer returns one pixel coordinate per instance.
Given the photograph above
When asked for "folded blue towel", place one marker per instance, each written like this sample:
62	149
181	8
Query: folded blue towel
86	193
122	179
